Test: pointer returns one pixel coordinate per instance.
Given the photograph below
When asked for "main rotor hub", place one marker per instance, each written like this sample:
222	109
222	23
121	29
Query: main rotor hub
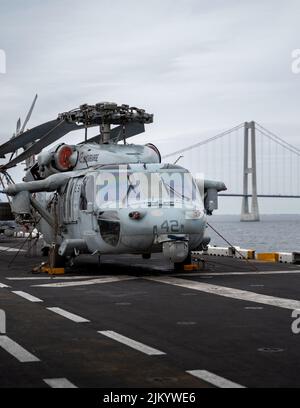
106	113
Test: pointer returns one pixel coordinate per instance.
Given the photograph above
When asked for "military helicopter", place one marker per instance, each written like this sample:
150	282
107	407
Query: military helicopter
103	195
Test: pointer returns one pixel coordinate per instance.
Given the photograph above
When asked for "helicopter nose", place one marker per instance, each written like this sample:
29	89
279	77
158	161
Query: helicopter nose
155	223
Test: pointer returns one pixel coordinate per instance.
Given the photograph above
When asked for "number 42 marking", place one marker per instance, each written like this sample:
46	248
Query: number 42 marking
172	226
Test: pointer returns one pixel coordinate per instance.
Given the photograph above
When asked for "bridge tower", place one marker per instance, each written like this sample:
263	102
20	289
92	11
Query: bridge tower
250	169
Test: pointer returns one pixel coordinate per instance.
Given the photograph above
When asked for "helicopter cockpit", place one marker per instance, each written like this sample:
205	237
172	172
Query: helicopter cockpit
145	186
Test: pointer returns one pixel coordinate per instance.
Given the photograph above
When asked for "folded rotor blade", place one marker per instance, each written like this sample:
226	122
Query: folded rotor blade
29	114
28	137
116	134
18	126
58	131
131	129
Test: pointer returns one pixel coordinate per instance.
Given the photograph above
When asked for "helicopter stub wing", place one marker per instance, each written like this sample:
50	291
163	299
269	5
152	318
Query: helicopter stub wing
211	190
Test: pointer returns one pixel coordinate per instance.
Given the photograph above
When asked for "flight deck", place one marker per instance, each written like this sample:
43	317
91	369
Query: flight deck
134	323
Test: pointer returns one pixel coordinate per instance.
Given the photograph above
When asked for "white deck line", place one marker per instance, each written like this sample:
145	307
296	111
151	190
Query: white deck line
9	249
49	278
86	283
17	351
2	286
232	293
68	315
59	383
237	273
214	379
132	343
27	296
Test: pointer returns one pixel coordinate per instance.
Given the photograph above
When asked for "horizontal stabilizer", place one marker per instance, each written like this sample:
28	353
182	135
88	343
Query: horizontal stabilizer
214	185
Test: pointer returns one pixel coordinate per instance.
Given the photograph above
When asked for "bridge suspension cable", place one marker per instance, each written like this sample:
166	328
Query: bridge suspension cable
222	157
276	138
280	165
204	142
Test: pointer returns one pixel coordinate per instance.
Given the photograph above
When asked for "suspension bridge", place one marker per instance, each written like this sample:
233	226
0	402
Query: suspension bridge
252	161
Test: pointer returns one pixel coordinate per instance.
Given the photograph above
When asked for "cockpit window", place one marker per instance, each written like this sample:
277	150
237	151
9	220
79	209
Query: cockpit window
165	188
148	188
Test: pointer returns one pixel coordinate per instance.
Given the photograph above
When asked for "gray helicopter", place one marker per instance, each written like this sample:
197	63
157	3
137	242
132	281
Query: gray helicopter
103	195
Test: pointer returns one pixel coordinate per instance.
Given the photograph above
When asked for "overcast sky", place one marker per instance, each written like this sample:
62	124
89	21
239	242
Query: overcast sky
200	66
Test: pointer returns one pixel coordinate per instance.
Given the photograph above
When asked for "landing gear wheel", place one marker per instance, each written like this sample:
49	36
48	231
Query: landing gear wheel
180	265
55	260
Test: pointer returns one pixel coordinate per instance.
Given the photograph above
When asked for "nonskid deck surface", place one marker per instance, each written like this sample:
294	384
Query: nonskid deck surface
137	323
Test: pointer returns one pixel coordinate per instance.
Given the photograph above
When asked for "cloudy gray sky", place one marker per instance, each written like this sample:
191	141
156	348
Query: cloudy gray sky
201	66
